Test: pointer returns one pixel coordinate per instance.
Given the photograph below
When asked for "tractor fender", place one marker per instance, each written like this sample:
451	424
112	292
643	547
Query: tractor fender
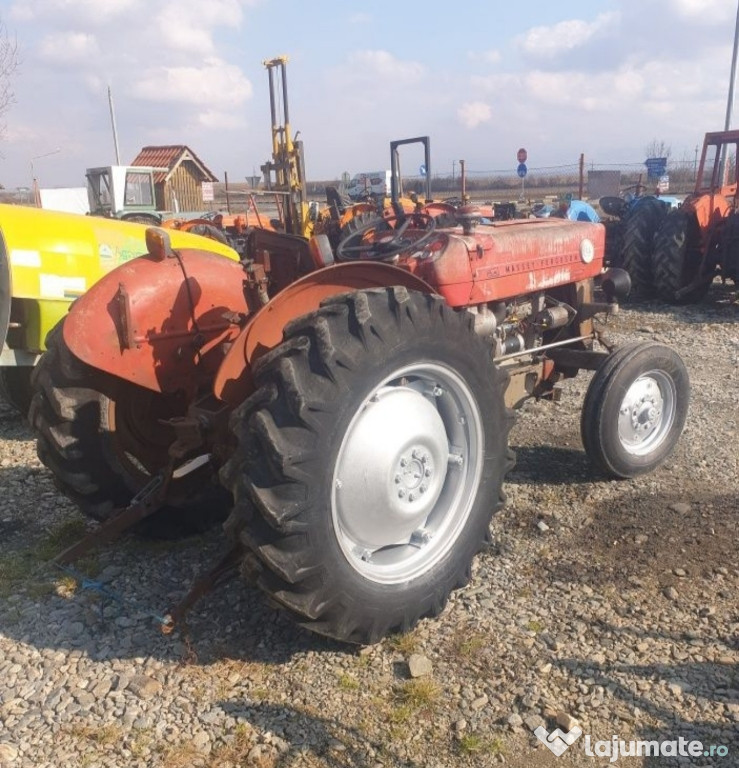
160	323
51	258
263	331
709	209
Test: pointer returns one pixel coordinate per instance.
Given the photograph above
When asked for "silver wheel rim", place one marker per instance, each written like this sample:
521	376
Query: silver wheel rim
407	472
647	413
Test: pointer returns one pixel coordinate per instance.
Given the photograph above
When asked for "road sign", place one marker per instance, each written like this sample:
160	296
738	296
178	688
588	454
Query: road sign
522	155
522	170
656	167
207	190
422	170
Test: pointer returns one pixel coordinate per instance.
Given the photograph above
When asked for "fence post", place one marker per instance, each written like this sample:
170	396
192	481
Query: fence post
582	177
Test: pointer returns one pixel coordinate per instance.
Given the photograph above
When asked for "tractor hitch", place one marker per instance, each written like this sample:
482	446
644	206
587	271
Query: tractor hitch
147	501
220	574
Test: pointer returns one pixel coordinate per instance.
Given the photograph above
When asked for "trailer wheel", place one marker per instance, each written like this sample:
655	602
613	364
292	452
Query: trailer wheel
677	259
103	440
637	244
635	409
15	387
369	463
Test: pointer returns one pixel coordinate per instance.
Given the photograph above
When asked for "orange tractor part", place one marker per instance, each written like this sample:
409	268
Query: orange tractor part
700	240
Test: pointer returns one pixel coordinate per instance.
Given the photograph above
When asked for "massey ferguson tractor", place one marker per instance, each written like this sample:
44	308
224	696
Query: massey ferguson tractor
348	411
345	409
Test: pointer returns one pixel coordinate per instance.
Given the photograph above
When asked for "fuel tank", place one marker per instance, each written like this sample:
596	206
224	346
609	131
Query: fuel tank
493	262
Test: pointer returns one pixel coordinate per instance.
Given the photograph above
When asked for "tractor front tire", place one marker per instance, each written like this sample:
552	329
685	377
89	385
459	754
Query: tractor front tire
103	440
637	243
677	259
635	409
369	463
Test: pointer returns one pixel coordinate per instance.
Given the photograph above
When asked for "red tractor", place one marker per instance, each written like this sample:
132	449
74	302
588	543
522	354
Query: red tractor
700	240
349	412
346	409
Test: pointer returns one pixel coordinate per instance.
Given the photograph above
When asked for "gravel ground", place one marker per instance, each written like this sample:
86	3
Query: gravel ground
615	603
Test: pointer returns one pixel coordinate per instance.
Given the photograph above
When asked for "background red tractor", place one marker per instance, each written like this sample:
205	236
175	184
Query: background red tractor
701	240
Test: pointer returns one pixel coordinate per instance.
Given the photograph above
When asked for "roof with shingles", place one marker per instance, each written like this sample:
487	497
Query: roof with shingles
170	156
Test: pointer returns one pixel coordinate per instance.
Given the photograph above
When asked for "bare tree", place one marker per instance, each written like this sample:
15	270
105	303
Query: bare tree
9	61
658	148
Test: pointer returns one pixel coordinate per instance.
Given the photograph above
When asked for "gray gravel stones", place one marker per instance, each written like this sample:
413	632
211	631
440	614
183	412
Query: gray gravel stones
419	665
624	614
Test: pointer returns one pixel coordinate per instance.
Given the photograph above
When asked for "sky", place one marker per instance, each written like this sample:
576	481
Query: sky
604	78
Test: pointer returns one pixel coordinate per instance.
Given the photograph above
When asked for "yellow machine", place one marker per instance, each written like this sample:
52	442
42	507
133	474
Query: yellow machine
284	174
47	260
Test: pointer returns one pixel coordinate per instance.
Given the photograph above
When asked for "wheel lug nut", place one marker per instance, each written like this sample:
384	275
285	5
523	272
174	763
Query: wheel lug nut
411	497
423	488
401	493
427	472
404	462
398	478
416	453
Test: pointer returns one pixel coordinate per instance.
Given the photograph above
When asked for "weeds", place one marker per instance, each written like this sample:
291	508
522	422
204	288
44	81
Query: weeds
417	694
535	626
348	683
474	744
404	644
100	735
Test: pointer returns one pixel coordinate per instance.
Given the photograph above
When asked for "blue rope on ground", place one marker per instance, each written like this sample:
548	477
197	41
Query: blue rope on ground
86	583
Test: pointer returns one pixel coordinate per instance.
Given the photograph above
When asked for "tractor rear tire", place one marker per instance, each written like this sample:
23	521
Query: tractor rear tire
637	243
102	439
614	242
357	223
677	258
149	219
369	462
635	409
15	387
210	231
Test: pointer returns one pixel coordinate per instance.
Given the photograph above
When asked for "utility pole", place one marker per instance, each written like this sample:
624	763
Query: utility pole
695	164
115	131
732	79
34	181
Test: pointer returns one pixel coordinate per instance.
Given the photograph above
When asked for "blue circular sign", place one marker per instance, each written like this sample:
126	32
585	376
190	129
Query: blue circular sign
522	170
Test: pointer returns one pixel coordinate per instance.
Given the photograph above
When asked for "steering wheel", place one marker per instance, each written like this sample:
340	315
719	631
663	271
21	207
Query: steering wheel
384	238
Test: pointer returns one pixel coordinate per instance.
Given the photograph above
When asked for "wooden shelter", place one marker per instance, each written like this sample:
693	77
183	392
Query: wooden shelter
178	182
